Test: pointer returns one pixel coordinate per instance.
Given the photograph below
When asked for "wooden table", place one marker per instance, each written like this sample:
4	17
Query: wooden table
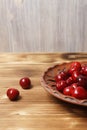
36	109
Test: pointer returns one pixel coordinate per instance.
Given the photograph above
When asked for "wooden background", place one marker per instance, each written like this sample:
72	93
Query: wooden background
43	25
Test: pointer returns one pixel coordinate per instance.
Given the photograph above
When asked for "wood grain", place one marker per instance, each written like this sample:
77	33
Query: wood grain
43	26
36	109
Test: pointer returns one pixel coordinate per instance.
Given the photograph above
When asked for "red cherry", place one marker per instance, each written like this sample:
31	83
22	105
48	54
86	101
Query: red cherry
61	76
84	70
75	75
58	78
79	93
12	94
64	74
69	81
71	70
82	80
68	90
75	66
25	83
61	85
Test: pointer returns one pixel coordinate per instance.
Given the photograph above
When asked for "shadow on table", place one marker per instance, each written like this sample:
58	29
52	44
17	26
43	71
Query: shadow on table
78	110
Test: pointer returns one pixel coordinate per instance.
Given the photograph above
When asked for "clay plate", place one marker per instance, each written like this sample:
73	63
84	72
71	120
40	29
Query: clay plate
48	82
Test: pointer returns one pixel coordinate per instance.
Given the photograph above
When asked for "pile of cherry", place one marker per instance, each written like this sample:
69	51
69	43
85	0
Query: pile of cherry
73	82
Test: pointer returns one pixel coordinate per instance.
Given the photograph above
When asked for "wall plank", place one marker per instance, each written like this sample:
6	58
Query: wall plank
43	25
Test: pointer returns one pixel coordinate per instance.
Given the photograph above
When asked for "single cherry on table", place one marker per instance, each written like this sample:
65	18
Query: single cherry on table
13	94
25	83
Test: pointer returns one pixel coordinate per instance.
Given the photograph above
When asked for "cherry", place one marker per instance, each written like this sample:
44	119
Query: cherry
61	76
61	85
69	81
25	83
79	93
64	74
12	94
75	75
58	78
75	66
68	90
84	70
82	80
